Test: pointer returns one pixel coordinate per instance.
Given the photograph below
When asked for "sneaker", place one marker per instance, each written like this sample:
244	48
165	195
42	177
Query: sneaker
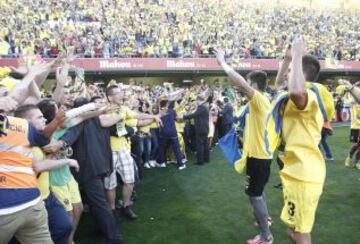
152	163
258	240
120	204
184	160
163	165
269	220
182	167
329	159
128	213
348	162
147	165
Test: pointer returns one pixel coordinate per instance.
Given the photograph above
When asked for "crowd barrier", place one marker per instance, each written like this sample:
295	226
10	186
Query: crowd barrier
187	64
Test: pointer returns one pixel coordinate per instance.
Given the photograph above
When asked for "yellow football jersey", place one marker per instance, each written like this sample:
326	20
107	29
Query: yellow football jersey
120	142
355	115
180	126
301	134
254	142
43	180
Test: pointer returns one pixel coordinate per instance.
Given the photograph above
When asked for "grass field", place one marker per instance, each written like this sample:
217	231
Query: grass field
207	204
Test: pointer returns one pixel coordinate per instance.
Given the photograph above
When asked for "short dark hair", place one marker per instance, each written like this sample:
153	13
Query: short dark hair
141	104
80	101
109	90
94	98
171	105
163	104
311	67
226	99
23	110
259	77
47	107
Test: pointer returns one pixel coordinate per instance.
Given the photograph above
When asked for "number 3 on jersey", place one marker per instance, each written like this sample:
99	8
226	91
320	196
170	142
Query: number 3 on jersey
291	208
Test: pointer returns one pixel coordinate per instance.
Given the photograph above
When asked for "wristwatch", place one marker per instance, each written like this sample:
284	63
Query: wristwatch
64	145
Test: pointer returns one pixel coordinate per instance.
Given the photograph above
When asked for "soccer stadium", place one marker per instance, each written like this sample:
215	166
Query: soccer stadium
176	121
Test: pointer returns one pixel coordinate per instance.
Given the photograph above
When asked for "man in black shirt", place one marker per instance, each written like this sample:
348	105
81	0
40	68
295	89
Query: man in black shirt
201	116
90	141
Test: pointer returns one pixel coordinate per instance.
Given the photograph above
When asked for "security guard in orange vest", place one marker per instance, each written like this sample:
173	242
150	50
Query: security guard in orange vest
22	213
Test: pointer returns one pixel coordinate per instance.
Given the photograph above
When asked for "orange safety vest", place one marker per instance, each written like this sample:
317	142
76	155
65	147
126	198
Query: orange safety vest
16	158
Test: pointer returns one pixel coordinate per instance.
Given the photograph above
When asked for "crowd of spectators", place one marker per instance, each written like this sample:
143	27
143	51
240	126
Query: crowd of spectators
169	28
122	129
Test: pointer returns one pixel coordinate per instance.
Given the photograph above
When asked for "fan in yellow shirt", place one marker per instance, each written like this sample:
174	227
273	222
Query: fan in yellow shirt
180	127
123	162
4	47
60	223
43	178
353	158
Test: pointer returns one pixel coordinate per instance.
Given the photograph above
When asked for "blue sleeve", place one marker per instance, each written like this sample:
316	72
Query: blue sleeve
226	110
36	138
174	115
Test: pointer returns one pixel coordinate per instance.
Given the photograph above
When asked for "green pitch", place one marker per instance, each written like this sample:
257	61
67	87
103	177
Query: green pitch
207	204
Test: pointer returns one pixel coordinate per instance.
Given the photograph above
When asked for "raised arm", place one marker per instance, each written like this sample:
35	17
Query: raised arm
33	90
59	119
8	104
40	78
235	76
61	79
354	91
280	81
59	88
296	83
21	91
90	114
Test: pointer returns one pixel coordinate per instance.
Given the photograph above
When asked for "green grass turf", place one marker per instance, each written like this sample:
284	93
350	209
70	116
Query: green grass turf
207	204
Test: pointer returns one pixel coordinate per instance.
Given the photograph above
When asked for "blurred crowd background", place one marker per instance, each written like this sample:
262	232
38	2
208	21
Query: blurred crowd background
169	28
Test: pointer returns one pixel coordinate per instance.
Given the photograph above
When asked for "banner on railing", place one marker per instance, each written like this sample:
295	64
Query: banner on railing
186	64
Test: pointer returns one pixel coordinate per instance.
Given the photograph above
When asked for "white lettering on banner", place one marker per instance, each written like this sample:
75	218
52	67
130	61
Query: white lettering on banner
106	64
244	65
179	64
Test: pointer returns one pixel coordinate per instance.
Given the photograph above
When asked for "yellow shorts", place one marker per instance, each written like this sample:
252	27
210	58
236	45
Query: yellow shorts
68	194
300	203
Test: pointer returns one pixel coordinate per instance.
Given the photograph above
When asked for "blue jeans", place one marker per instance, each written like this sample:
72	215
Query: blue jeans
145	148
154	143
60	224
135	150
174	141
